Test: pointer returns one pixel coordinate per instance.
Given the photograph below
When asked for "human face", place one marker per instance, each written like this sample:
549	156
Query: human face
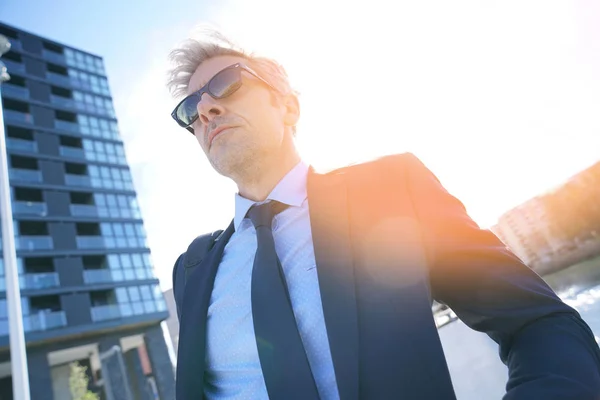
242	130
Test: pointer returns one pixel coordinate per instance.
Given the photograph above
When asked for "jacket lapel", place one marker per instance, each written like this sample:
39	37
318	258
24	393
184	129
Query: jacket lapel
192	327
328	205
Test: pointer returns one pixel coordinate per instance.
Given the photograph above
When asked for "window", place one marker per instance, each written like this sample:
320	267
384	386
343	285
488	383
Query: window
111	177
129	266
23	162
123	235
32	228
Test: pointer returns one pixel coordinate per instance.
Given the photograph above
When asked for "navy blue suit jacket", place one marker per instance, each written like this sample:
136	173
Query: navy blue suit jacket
389	239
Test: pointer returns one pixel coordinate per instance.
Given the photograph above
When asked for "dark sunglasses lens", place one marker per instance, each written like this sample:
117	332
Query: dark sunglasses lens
225	83
187	112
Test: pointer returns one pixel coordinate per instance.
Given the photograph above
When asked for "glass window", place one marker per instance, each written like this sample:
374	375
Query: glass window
106	229
3	309
134	293
83	120
111	200
93	171
99	199
122	295
113	261
129	231
147	260
137	260
145	291
125	260
118	228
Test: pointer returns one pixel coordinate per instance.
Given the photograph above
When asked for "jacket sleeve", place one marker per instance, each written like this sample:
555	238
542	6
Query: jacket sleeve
549	350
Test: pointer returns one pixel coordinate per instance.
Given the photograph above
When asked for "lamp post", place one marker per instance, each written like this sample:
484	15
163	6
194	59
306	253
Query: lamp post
18	355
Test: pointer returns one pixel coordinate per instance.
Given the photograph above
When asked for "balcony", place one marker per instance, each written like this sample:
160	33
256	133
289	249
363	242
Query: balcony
58	79
91	276
13	66
30	208
102	313
66	126
20	144
18	116
78	180
25	175
53	56
39	281
34	243
90	242
83	210
72	152
62	101
15	44
44	320
15	91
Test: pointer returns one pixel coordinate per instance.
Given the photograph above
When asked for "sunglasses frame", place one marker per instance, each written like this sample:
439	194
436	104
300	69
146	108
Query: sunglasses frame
204	89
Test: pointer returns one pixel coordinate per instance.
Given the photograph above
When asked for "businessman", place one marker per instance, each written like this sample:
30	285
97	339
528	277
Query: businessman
322	285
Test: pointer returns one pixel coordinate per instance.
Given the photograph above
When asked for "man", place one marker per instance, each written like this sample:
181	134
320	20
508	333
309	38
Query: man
322	285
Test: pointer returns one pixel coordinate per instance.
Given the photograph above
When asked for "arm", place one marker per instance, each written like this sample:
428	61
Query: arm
549	350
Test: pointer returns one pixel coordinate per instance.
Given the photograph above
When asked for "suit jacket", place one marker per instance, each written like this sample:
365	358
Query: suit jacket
388	239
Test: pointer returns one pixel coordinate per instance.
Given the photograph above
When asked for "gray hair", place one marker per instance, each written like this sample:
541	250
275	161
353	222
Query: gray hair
211	43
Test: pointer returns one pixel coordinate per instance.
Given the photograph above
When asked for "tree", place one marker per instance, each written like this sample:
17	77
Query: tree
78	383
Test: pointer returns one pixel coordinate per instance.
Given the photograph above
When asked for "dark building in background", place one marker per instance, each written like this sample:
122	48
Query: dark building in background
559	228
88	291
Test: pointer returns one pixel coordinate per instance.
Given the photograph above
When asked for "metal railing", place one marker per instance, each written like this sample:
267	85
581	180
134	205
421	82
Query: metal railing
39	280
21	144
90	242
102	313
34	243
12	115
30	208
26	175
44	320
15	91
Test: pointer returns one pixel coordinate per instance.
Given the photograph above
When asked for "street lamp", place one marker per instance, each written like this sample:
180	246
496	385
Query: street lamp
18	354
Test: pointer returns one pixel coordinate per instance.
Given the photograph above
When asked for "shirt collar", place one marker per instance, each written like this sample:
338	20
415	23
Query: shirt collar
290	190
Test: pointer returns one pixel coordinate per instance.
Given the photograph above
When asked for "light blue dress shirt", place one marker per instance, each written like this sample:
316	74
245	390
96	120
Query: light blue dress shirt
232	363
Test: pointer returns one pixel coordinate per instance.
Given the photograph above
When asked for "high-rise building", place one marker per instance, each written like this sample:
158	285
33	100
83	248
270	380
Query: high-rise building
88	291
558	228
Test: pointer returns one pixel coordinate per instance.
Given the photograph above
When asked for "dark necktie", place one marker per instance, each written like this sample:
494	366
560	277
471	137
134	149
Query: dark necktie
282	356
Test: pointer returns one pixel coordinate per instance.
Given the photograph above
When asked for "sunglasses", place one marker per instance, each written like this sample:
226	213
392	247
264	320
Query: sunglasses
223	84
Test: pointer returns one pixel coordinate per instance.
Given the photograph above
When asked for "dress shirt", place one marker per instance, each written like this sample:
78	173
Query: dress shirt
232	364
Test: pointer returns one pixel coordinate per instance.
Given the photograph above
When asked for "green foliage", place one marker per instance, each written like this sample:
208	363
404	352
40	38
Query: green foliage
78	383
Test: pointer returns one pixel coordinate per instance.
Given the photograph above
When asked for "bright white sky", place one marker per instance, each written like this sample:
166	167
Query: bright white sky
500	99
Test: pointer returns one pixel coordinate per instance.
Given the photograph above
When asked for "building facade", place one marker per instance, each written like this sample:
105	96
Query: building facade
88	291
558	228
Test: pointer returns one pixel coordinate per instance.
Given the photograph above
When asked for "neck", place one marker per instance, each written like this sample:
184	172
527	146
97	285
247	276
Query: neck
256	183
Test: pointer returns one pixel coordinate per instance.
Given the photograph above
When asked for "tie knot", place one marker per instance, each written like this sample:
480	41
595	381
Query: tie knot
262	215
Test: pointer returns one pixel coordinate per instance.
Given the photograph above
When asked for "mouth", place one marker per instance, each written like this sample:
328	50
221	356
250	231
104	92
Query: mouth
217	131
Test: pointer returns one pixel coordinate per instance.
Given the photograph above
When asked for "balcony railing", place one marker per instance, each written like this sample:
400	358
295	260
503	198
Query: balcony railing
15	44
72	152
34	243
53	56
83	210
44	320
15	91
13	66
20	144
25	175
39	281
102	313
18	116
77	180
30	208
99	276
90	242
66	126
58	78
62	101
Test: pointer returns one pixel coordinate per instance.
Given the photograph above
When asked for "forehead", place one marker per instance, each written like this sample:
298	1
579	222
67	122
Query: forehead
209	68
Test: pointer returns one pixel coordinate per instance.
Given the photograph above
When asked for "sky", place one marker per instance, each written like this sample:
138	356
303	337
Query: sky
501	100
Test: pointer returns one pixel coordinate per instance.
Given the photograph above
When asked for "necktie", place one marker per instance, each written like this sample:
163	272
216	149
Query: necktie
282	356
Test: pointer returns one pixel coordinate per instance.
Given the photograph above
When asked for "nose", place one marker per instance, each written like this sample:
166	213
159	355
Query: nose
208	109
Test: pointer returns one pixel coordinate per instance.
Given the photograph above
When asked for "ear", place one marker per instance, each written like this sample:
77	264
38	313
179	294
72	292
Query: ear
291	109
